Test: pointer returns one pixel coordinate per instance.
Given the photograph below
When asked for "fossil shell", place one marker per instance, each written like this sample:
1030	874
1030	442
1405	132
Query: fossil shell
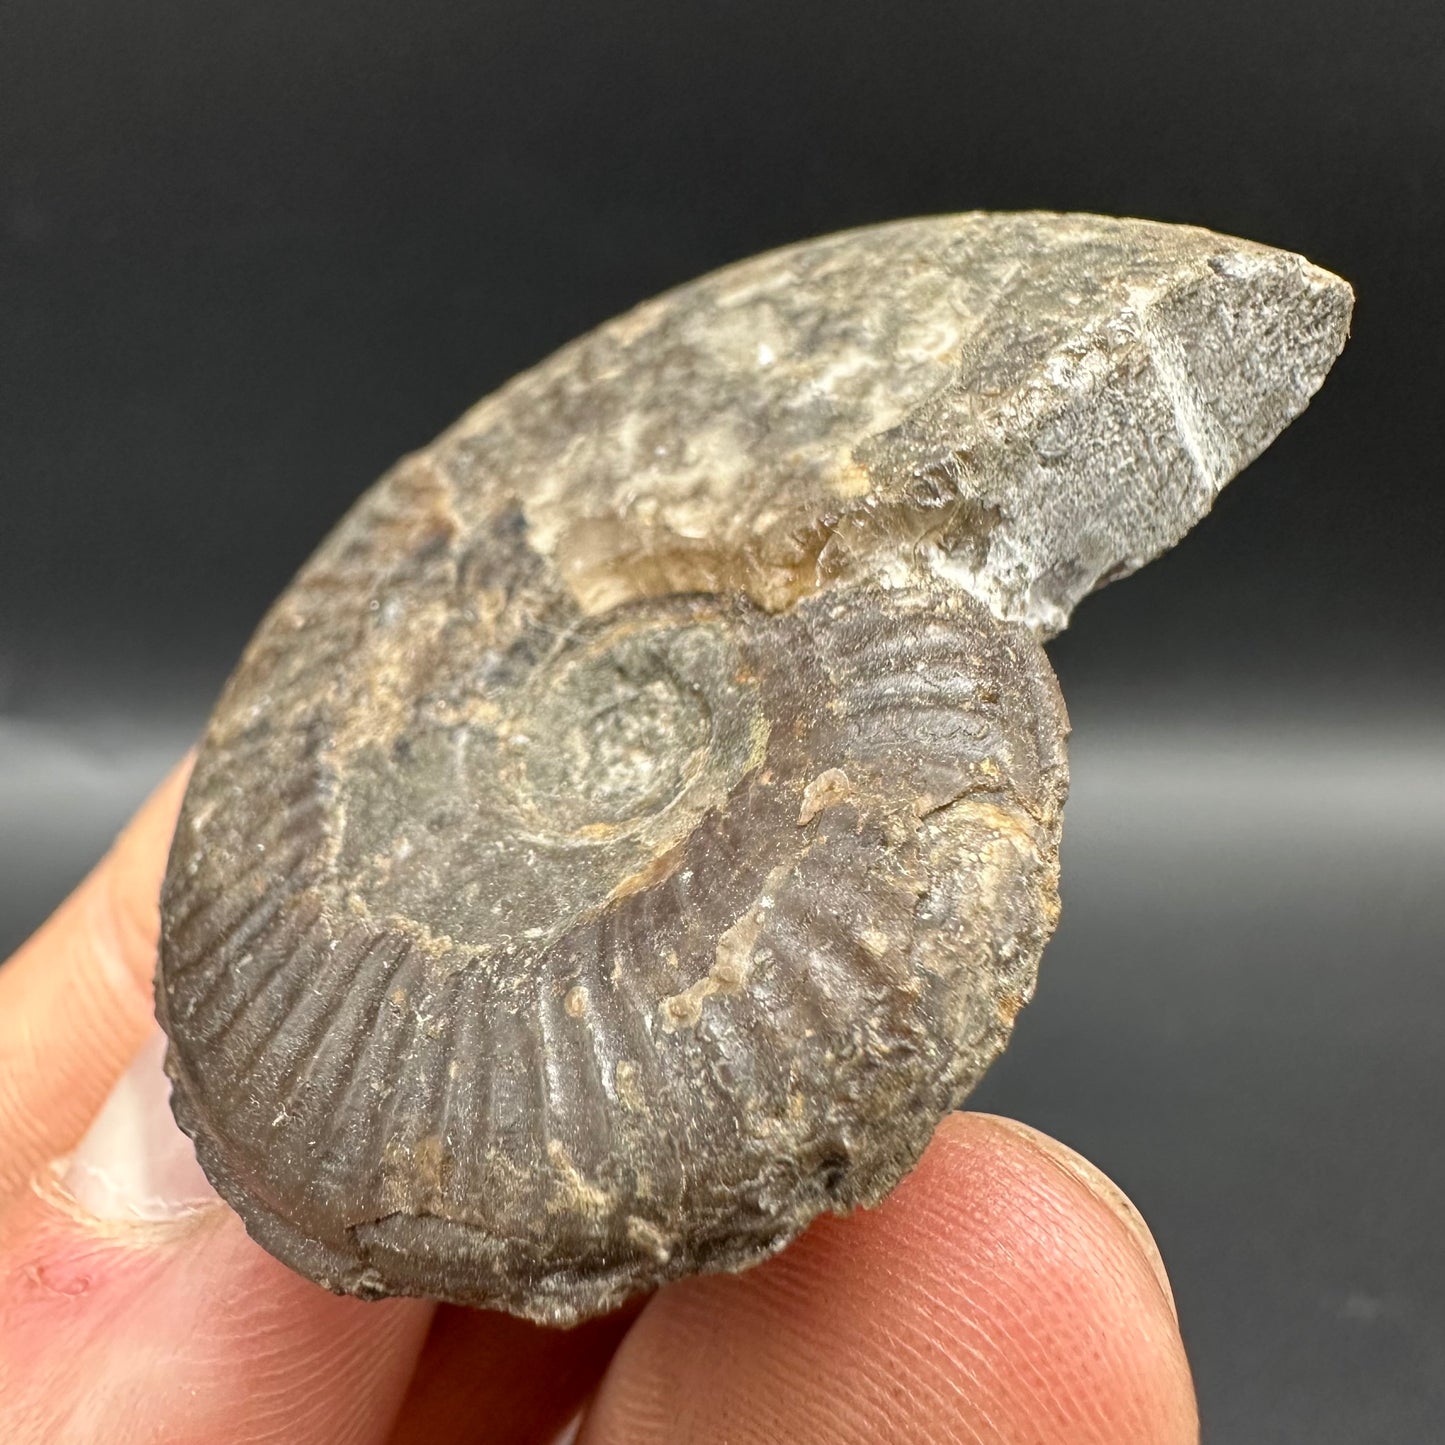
638	822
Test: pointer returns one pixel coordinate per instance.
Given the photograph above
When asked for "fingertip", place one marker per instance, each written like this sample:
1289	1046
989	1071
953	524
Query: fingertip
1095	1182
995	1296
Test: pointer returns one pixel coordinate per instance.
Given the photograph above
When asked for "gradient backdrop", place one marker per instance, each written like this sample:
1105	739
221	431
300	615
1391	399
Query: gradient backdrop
250	252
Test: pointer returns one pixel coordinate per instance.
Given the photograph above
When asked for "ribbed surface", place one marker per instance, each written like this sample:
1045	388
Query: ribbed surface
764	1023
634	828
628	833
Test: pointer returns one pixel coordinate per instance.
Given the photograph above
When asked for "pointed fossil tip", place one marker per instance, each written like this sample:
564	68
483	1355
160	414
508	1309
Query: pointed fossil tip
1238	354
1121	440
1241	354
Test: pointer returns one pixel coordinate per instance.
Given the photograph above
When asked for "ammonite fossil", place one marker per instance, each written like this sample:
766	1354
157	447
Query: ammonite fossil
638	822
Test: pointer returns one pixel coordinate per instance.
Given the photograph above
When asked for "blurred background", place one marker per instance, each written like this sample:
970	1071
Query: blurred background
251	252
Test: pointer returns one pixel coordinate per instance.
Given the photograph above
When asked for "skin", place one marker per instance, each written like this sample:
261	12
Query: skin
1005	1292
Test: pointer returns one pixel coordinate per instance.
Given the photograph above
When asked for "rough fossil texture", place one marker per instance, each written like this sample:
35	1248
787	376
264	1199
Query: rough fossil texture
638	822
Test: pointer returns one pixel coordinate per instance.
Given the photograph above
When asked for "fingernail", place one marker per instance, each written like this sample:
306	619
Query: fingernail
570	1431
134	1163
1106	1192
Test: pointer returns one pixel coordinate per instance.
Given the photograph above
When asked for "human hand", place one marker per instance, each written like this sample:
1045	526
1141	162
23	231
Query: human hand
1005	1292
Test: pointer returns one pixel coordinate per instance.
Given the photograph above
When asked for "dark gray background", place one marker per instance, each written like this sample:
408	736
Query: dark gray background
250	252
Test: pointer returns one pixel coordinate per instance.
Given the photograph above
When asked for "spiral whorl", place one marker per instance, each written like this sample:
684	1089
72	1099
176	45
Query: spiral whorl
638	822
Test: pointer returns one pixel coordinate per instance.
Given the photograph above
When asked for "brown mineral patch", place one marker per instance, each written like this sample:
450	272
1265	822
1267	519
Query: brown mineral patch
433	1165
732	960
624	1079
828	789
650	874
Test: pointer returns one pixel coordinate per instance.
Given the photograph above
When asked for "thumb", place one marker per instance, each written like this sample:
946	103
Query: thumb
133	1306
133	1163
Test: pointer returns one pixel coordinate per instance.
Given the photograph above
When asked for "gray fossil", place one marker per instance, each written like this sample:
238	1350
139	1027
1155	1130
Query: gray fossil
638	822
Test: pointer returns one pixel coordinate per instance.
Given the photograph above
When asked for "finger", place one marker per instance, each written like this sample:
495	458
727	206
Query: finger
1005	1293
75	1001
133	1307
489	1378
